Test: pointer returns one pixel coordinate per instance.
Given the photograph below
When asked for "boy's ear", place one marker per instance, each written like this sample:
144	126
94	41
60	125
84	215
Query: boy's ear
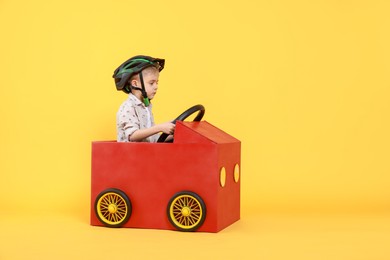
133	83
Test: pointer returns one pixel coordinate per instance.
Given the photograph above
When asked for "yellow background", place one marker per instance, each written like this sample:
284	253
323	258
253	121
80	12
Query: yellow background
303	84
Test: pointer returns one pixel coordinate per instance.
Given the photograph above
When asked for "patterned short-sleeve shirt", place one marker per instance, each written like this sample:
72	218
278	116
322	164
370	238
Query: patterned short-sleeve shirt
132	116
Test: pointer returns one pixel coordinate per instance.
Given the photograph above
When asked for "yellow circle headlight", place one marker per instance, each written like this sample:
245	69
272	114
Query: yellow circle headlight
236	173
222	177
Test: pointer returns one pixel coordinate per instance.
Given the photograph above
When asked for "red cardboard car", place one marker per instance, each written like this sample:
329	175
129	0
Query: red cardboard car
191	184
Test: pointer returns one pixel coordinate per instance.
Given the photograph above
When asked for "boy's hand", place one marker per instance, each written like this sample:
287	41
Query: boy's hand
167	128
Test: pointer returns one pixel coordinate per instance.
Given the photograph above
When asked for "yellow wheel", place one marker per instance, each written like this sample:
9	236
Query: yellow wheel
186	211
113	207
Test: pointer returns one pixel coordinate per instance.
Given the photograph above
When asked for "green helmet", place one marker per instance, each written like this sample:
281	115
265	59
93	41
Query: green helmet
133	66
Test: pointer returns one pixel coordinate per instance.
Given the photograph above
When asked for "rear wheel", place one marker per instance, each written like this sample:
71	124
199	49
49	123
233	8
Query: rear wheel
186	211
113	207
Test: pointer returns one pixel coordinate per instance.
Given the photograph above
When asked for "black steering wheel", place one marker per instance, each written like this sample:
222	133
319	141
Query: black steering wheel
197	108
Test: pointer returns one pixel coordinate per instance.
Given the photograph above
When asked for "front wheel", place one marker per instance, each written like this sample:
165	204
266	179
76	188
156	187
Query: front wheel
186	211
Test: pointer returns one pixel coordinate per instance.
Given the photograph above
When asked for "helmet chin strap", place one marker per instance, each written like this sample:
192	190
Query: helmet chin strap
143	91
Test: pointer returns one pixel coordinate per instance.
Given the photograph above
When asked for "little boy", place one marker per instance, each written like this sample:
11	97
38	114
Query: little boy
138	77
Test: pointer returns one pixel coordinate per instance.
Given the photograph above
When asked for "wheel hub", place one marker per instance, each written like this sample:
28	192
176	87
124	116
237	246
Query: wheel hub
112	208
186	211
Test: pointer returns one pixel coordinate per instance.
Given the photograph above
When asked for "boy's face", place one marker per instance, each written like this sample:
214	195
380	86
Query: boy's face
150	81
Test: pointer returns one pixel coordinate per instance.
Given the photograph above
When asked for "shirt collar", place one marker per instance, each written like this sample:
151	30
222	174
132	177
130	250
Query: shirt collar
136	101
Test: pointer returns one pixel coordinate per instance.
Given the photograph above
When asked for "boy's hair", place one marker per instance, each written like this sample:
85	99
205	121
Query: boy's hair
147	70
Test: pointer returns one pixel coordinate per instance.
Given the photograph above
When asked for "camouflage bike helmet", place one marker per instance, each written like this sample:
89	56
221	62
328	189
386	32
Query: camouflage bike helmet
133	66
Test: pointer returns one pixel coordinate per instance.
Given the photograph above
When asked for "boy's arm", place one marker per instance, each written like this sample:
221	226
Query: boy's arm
141	134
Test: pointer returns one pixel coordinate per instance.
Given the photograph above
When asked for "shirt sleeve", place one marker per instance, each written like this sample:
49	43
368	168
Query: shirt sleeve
127	122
